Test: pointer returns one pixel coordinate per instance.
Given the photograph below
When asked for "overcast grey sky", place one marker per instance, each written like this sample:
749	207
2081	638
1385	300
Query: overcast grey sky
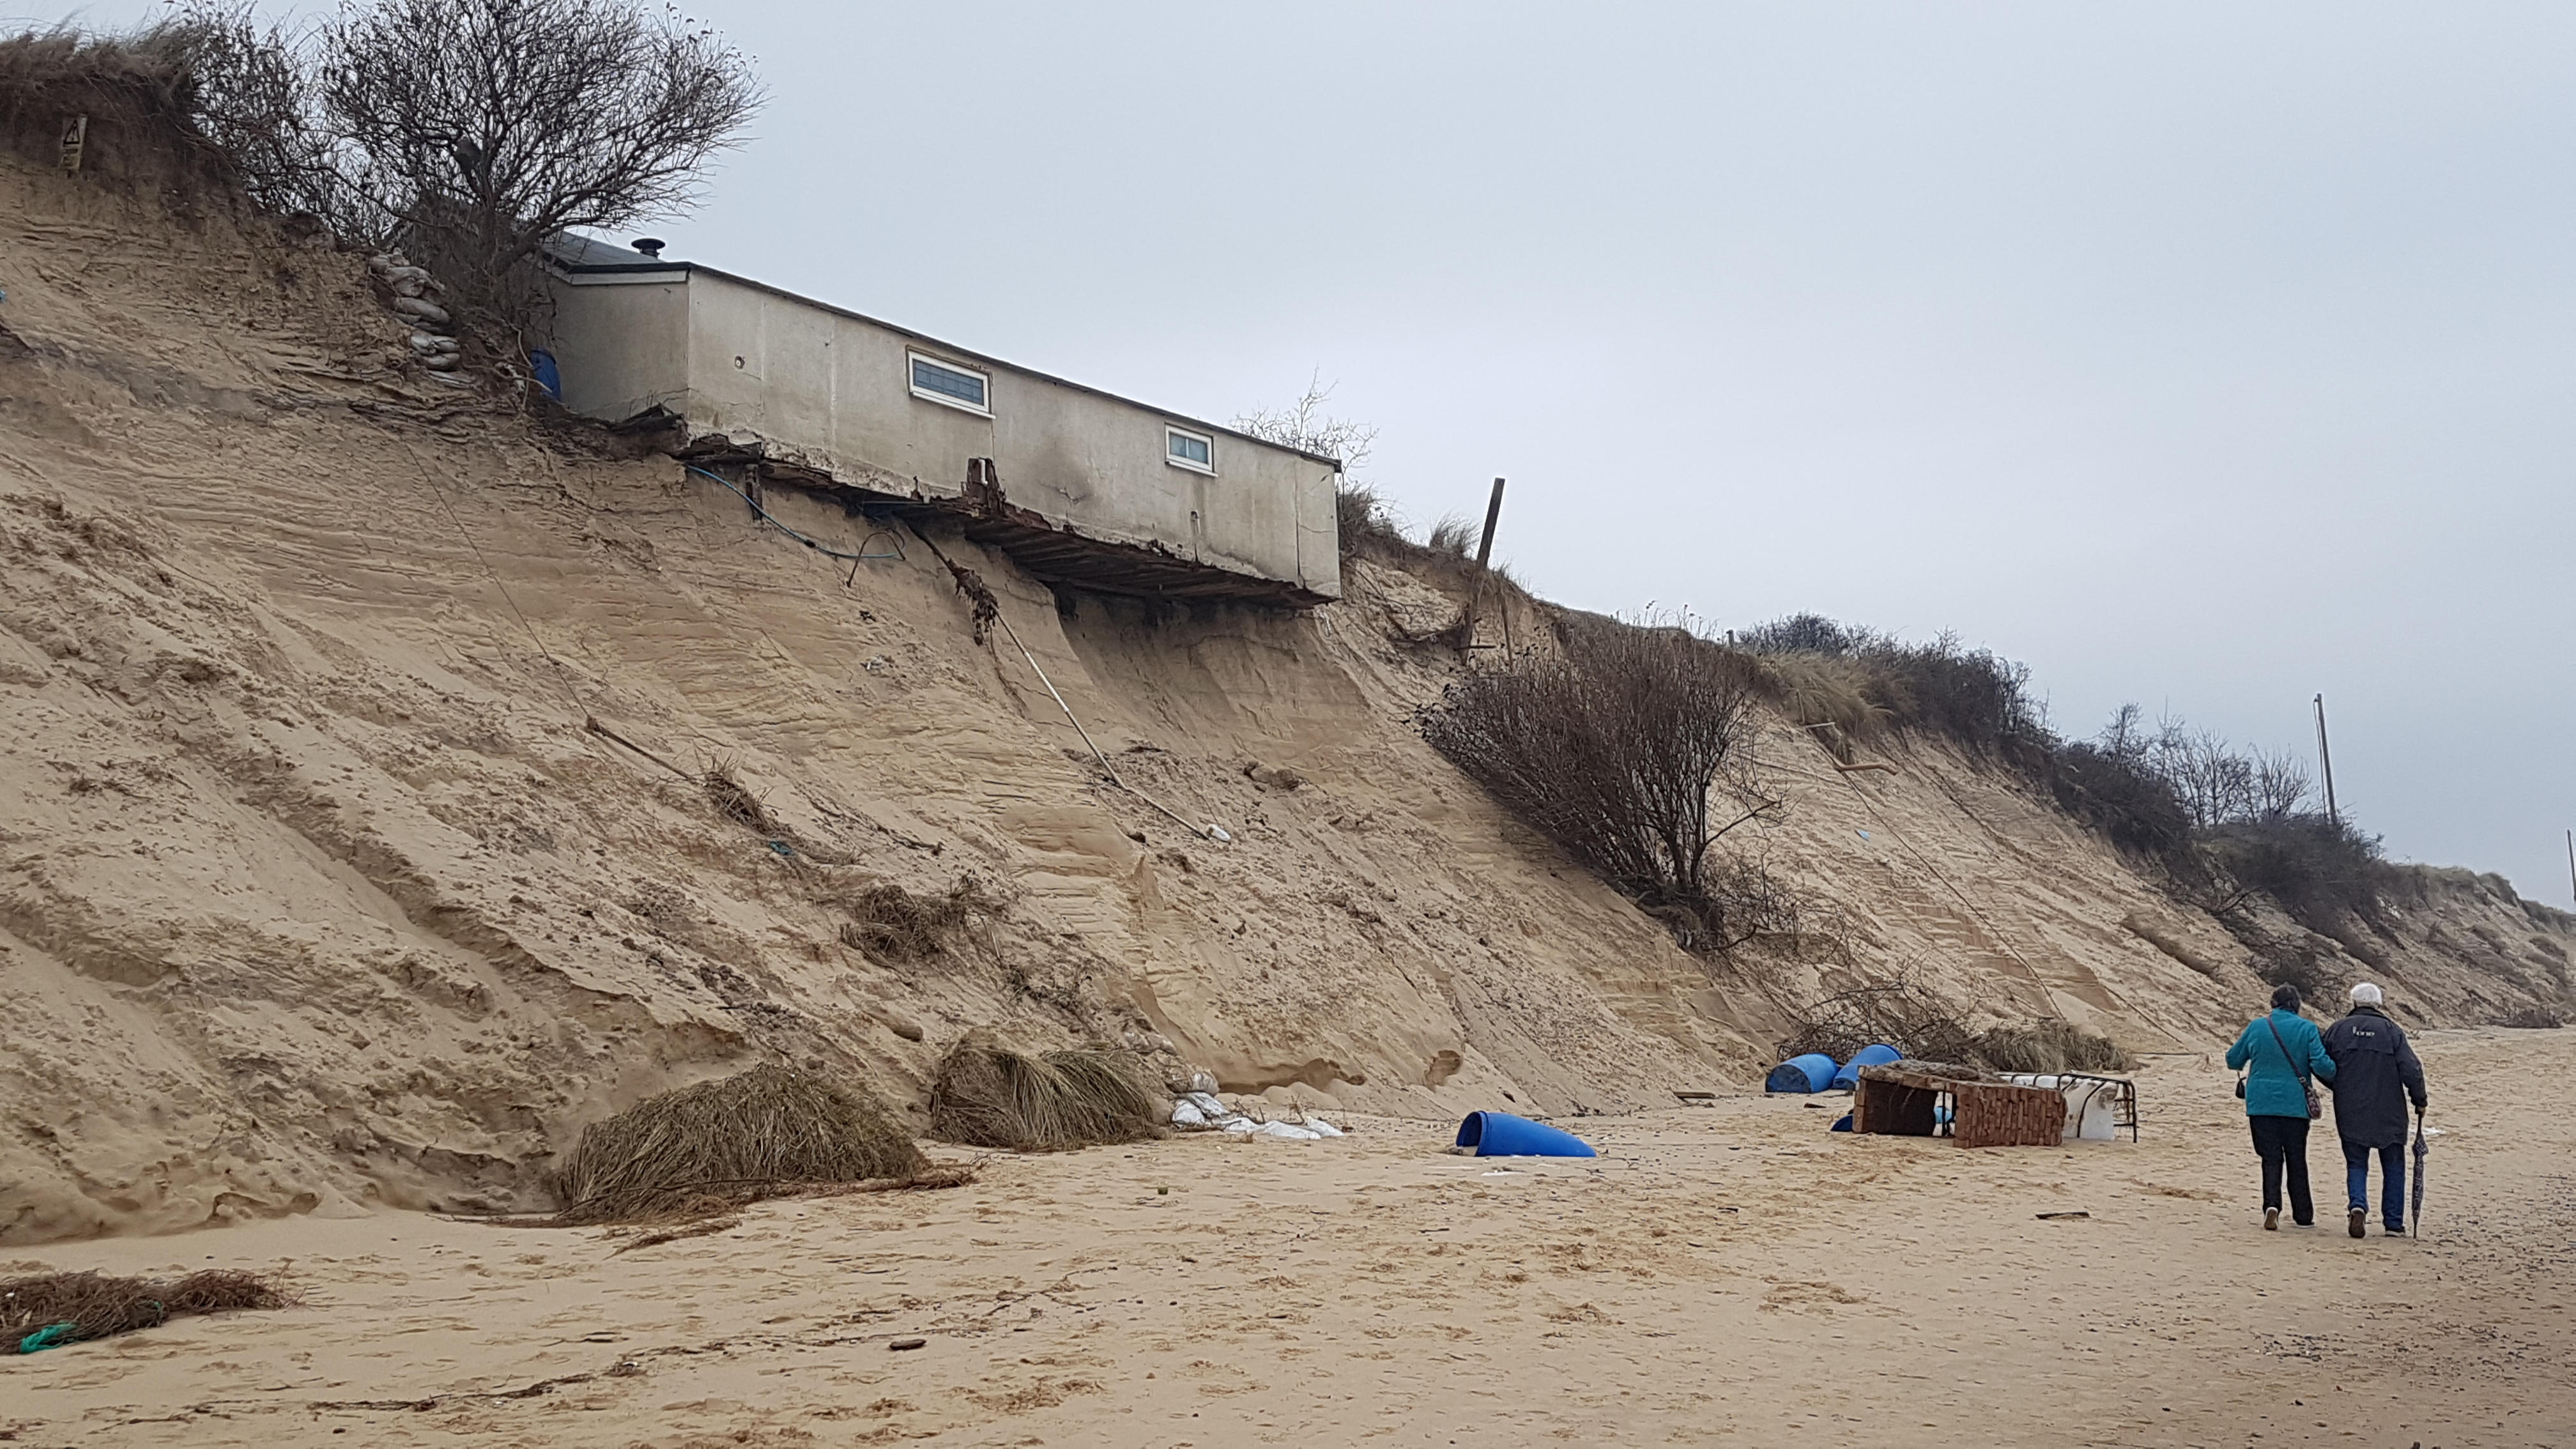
2203	355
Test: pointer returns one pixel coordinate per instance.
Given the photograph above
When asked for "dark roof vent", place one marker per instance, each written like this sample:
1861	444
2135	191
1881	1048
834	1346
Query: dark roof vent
650	246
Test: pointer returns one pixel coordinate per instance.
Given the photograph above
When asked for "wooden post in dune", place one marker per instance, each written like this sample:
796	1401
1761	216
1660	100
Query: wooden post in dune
2325	762
1484	561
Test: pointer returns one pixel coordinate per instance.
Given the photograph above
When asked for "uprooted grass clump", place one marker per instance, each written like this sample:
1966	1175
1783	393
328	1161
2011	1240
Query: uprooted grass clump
735	801
82	1306
990	1096
2051	1045
705	1150
891	922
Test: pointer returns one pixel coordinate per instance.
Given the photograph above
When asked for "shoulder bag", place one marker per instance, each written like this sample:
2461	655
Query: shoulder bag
2316	1108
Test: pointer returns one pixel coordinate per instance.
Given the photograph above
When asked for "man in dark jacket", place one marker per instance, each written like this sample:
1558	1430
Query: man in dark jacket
2376	1071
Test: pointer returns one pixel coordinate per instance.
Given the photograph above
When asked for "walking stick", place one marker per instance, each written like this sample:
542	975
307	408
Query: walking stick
2415	1219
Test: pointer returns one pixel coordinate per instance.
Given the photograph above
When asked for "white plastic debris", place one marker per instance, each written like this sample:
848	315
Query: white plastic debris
1205	1112
1218	833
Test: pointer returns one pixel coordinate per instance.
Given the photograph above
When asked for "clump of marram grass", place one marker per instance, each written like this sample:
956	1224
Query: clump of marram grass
92	1305
990	1096
772	1131
2051	1045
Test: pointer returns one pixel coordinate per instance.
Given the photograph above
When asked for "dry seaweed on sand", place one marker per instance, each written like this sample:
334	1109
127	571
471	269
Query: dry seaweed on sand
706	1150
990	1096
98	1306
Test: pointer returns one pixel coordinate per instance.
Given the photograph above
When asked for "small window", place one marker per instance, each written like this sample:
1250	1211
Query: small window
946	382
1185	449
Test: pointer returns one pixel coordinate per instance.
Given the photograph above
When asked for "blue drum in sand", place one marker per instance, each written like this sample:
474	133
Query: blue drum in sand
1810	1073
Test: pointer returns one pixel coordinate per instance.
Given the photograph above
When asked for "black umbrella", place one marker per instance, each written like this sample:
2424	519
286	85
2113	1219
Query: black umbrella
2417	1219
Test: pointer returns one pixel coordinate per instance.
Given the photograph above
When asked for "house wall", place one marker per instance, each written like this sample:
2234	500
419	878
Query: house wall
623	349
832	392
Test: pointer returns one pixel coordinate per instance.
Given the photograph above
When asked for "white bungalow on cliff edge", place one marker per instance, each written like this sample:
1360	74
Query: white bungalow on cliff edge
1081	488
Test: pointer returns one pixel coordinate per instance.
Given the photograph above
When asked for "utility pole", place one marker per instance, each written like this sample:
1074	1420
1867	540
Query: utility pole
2571	862
2325	762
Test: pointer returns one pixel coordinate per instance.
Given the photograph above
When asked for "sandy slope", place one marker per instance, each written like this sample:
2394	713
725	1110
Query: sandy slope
1736	1275
316	896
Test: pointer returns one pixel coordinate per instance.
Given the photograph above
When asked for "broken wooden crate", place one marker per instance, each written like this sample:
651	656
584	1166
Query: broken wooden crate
1903	1102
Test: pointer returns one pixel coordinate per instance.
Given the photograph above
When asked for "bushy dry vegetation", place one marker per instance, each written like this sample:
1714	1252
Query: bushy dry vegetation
1631	750
93	1305
466	133
711	1148
2222	822
1896	1012
140	92
895	925
990	1096
2050	1045
1902	1014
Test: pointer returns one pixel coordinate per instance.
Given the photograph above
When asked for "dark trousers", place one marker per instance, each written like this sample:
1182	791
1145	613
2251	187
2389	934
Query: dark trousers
2283	1142
2392	1189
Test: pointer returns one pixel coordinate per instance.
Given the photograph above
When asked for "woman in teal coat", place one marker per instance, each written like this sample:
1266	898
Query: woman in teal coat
2283	1049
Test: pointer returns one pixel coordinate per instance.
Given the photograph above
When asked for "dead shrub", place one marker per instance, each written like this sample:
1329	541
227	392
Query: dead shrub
1622	750
98	1306
708	1149
2051	1045
1897	1013
890	922
987	1095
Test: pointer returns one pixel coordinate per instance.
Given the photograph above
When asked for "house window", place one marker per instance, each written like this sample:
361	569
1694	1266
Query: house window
1185	449
946	382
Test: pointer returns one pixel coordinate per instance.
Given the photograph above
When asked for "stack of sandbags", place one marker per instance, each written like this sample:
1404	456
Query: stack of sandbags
408	292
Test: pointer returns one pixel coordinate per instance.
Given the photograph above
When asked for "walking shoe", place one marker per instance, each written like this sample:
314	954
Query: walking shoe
2359	1218
2271	1220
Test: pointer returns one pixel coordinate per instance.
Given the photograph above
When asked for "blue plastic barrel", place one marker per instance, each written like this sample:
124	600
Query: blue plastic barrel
1868	1056
1500	1134
1810	1073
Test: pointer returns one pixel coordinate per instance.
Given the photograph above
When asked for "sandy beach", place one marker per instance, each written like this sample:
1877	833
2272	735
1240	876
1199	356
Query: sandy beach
1730	1274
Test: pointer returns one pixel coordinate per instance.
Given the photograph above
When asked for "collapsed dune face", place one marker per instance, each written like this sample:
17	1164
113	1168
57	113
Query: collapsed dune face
320	892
